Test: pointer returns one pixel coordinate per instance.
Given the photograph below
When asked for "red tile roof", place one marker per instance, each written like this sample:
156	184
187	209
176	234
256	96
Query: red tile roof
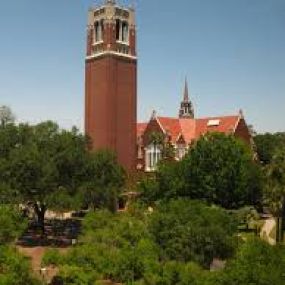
191	129
141	128
170	126
227	124
188	128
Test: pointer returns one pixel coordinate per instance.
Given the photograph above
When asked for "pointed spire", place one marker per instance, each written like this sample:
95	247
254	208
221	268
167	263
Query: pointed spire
186	93
186	108
153	115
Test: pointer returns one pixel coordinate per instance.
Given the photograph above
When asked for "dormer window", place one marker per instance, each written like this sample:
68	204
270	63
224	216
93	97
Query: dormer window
213	123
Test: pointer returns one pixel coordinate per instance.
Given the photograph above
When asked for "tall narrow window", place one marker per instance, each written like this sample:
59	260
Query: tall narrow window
101	30
125	32
118	28
180	152
153	156
96	31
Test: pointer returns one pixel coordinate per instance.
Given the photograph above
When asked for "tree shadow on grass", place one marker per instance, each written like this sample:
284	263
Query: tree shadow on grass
58	233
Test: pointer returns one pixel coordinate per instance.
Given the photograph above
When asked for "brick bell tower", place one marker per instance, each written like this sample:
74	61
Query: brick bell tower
111	81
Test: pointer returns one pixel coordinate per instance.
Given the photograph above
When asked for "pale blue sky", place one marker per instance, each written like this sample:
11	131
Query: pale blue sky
232	51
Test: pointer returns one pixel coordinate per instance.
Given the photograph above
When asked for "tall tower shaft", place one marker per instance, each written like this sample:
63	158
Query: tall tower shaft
111	81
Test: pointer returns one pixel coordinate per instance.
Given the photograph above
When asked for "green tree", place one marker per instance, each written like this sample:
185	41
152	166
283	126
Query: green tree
46	166
267	144
149	189
44	163
14	268
166	183
248	218
6	116
220	168
12	224
76	275
191	231
112	246
104	180
256	263
274	191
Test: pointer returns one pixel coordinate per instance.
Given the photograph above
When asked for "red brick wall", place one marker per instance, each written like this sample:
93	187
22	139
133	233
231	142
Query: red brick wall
110	108
242	132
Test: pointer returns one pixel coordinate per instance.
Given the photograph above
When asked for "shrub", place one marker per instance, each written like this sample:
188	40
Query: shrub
52	257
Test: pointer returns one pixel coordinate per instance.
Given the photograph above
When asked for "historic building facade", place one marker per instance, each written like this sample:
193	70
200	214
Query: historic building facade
182	131
111	97
111	81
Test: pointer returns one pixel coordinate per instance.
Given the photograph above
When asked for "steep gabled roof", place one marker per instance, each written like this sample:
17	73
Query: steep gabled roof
141	128
224	124
170	126
191	129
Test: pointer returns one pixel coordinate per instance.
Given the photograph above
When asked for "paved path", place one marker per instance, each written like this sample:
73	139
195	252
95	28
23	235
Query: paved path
36	254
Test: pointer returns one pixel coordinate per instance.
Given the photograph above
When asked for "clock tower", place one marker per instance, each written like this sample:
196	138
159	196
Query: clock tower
111	81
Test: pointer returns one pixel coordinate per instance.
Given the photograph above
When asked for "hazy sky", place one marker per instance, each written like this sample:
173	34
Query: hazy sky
232	51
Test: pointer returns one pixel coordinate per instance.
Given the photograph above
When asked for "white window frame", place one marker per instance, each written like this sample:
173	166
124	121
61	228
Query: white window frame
153	155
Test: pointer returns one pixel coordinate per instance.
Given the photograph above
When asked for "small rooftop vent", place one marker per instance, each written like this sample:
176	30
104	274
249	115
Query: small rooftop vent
213	123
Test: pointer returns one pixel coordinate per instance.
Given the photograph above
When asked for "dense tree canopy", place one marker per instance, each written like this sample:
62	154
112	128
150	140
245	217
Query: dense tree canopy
218	169
12	224
173	243
256	263
48	168
148	248
267	144
43	162
14	268
104	182
274	190
190	231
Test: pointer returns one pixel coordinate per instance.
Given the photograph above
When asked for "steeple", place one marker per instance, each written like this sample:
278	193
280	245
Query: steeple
186	93
186	108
